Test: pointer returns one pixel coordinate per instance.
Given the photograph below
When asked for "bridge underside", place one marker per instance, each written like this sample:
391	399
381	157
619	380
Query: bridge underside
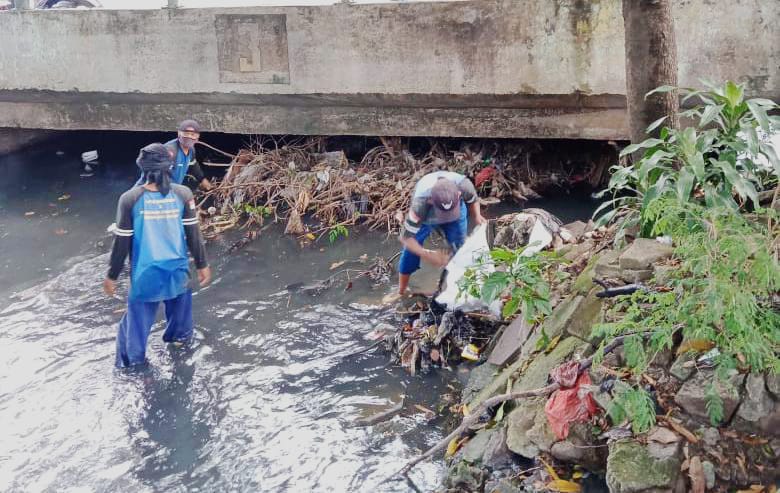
523	116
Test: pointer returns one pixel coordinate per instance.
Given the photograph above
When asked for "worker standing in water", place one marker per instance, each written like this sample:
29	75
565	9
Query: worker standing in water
157	223
442	200
182	149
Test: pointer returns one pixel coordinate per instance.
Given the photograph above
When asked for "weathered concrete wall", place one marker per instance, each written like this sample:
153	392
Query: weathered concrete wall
503	68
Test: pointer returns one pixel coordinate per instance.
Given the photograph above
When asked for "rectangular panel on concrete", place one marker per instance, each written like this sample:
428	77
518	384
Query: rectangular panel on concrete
252	49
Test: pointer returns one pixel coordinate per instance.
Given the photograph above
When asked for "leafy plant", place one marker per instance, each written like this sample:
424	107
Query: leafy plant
719	162
634	405
256	210
339	231
523	282
721	293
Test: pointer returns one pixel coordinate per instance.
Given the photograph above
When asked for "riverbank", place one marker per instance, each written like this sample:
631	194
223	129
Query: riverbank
562	431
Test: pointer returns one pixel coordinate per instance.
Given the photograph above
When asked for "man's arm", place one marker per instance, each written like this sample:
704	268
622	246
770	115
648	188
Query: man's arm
197	172
123	240
195	242
469	194
409	231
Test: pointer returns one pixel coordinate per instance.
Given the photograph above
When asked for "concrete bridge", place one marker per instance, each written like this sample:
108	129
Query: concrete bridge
483	68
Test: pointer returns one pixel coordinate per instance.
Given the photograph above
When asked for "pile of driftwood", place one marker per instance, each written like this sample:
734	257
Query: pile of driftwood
299	180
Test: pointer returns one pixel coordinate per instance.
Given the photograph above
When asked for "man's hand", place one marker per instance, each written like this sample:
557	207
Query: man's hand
109	287
204	276
206	185
439	258
479	219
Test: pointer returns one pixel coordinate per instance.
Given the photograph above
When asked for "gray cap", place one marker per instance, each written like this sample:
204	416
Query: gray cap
189	126
445	199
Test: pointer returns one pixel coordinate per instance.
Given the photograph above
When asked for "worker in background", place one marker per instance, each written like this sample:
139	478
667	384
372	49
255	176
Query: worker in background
157	224
442	200
182	149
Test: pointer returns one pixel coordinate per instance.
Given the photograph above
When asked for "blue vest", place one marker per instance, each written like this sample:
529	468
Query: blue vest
159	262
181	165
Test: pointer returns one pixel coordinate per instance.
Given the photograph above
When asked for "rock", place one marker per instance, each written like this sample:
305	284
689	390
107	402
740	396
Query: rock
528	432
643	253
511	340
577	229
577	448
497	454
710	436
635	276
575	251
662	273
709	474
475	448
773	384
488	448
607	265
691	395
464	476
683	366
502	486
633	467
756	403
758	413
659	434
584	281
587	313
520	422
479	378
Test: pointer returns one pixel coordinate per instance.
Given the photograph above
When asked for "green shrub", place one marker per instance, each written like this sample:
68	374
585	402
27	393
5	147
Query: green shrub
717	163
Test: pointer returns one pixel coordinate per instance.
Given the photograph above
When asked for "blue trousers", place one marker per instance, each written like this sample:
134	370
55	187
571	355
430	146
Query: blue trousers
136	324
454	232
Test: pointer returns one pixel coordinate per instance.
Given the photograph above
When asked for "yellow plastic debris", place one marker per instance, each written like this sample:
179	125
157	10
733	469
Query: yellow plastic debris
470	352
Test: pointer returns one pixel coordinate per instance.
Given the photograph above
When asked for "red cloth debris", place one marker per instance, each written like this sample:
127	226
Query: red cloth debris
566	405
566	374
484	175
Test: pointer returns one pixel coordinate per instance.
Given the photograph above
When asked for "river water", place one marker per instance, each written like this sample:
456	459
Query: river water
264	399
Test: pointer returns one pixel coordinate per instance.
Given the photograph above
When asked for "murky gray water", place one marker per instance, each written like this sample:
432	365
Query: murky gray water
264	399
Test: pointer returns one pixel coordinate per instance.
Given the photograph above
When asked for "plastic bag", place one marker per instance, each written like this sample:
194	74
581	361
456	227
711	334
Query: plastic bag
570	405
474	250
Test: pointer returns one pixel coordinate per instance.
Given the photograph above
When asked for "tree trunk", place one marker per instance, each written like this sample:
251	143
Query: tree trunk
651	61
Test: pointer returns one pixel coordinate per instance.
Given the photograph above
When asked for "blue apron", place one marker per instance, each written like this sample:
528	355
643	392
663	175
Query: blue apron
159	262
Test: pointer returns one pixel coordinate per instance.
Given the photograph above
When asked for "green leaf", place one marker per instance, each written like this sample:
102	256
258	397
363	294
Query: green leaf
684	185
696	162
503	255
500	413
744	188
641	145
655	124
764	102
651	163
510	307
713	403
711	112
759	113
494	285
733	93
769	151
542	342
661	90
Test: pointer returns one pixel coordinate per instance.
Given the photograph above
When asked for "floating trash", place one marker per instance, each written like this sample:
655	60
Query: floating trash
89	156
